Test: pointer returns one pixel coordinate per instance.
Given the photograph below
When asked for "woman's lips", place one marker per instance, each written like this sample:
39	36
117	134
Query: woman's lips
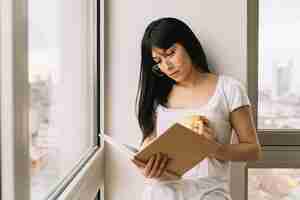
174	73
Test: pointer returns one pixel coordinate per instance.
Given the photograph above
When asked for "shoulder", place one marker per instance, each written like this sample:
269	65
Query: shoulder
231	80
235	92
231	85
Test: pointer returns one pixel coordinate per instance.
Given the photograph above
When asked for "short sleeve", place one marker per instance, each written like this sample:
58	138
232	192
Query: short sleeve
236	94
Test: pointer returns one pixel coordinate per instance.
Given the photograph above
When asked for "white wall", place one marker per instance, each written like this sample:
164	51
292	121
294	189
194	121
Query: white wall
221	27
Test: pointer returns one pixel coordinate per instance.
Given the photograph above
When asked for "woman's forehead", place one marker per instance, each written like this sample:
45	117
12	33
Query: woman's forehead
160	51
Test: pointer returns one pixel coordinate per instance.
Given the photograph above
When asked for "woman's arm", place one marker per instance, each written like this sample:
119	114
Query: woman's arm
248	148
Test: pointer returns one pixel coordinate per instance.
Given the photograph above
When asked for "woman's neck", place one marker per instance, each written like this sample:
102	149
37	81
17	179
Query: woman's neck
193	80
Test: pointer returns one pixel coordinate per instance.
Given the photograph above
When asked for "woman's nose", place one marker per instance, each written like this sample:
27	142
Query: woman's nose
169	65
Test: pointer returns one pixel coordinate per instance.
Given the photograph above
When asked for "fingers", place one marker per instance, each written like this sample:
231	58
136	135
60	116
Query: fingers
209	133
162	166
161	169
204	120
159	166
155	167
149	165
202	129
139	164
198	127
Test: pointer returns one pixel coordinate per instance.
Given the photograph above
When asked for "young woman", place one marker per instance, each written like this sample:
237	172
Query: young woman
175	82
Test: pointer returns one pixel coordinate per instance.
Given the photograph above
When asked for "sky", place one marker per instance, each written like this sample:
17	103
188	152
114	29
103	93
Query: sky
44	39
279	31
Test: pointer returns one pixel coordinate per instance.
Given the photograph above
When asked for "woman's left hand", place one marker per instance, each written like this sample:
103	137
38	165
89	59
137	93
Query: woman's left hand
209	133
203	129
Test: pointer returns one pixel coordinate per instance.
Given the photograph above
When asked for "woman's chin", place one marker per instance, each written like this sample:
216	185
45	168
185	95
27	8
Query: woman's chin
178	79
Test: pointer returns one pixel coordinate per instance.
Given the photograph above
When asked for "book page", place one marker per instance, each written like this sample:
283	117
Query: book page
128	150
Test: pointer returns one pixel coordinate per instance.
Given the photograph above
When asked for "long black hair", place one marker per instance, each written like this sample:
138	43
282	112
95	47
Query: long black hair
154	90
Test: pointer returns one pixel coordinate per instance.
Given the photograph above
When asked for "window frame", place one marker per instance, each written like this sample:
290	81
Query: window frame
267	137
87	178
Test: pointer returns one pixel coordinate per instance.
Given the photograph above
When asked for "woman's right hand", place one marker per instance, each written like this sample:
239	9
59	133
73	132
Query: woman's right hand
156	167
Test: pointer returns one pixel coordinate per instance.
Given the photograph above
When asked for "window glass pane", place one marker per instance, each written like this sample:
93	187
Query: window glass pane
60	91
274	184
279	58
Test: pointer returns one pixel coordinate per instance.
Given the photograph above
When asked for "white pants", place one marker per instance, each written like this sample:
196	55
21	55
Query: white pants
187	189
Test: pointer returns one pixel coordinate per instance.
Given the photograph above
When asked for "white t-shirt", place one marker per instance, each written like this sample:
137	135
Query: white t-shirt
229	95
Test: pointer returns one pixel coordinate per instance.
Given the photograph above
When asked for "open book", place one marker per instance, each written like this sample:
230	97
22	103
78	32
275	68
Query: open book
128	150
184	146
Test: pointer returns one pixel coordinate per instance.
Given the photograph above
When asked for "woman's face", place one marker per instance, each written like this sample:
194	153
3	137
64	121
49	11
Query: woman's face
174	62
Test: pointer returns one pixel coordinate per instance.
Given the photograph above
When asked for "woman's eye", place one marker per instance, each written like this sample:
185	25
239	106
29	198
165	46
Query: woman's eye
172	53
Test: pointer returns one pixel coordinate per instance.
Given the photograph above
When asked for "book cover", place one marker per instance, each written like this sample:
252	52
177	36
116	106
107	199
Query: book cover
185	147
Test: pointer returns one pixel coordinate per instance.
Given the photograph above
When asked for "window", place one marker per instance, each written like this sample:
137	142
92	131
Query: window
275	177
61	115
278	94
274	183
273	88
272	70
51	99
